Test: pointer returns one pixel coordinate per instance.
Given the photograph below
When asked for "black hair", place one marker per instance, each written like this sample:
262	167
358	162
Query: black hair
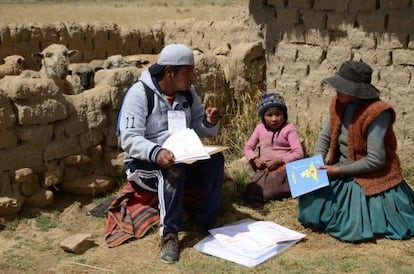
158	71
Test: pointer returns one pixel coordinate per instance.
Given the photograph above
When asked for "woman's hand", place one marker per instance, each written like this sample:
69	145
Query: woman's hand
332	171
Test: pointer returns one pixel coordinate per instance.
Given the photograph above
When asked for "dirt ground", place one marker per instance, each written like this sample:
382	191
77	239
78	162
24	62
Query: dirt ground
30	243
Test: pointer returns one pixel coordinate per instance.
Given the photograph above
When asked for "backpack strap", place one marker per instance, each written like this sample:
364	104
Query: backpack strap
150	98
188	97
150	103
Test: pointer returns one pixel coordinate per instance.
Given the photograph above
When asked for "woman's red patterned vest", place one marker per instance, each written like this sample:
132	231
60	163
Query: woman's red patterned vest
365	113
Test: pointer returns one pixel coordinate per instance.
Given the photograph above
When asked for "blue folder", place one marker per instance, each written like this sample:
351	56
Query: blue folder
304	176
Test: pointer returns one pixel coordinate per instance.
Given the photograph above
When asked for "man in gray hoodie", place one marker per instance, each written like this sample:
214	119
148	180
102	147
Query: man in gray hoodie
143	128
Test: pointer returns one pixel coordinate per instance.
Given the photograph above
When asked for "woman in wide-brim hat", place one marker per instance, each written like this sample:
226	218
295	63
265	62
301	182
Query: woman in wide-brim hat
367	196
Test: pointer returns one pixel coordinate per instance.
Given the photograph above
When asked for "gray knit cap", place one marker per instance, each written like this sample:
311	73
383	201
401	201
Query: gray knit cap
271	100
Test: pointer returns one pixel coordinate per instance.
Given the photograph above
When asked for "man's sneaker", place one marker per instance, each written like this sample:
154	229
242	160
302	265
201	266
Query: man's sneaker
169	248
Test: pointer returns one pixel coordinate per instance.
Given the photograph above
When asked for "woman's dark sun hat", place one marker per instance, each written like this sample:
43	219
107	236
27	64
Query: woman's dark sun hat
354	78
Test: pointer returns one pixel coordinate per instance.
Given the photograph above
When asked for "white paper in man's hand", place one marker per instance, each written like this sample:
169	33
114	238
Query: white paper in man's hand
186	146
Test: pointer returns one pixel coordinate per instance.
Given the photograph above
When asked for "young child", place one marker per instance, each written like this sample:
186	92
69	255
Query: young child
367	197
273	143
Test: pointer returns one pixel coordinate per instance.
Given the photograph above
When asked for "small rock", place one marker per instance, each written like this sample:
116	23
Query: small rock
77	243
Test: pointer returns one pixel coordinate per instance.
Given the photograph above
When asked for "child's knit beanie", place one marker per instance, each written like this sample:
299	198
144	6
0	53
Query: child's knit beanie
271	100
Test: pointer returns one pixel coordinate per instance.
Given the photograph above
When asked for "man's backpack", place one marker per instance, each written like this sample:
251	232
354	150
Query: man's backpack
150	101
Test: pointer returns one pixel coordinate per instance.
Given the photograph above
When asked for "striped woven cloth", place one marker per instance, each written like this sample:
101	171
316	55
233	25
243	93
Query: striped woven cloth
130	215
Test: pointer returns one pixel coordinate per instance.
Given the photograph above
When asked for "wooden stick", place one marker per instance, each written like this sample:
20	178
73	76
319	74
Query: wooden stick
91	266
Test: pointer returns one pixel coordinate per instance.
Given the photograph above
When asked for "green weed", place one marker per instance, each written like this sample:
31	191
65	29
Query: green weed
44	223
12	225
17	260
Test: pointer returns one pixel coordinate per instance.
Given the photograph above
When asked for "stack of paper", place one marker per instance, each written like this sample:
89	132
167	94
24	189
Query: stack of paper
248	242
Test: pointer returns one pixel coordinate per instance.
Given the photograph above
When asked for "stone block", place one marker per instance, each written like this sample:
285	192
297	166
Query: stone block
29	188
288	83
8	139
74	127
286	52
7	115
23	175
276	3
394	4
403	57
411	41
298	69
44	112
340	21
390	41
88	185
373	57
38	135
361	39
341	5
40	199
53	33
5	36
384	57
300	4
77	243
373	21
311	83
79	159
401	21
53	176
310	54
337	54
317	37
21	156
10	205
61	149
295	35
287	17
314	19
29	89
130	42
5	182
324	5
366	5
395	77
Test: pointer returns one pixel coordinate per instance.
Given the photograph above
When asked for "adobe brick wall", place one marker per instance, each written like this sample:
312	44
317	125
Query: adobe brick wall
50	140
94	41
307	40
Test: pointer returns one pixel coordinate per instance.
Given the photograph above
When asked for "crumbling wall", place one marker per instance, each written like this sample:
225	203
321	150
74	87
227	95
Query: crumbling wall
307	40
52	141
93	40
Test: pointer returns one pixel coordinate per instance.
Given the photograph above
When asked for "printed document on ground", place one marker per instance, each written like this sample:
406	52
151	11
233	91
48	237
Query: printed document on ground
248	242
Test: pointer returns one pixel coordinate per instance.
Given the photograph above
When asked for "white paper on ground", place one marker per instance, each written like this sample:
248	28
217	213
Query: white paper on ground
233	247
253	235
